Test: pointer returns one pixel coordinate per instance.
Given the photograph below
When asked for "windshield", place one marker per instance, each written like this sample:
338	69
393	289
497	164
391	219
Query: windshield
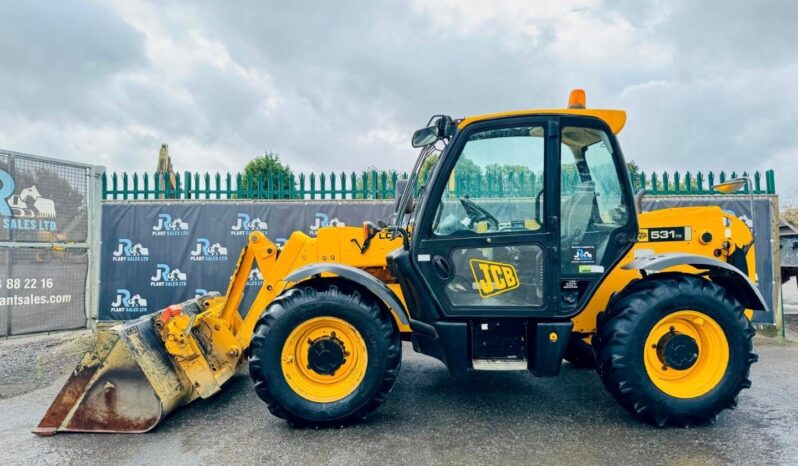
496	184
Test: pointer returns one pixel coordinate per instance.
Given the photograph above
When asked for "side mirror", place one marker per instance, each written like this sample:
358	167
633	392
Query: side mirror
401	184
426	136
731	186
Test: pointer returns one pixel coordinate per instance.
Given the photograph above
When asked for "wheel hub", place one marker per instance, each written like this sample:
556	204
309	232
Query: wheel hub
326	355
677	350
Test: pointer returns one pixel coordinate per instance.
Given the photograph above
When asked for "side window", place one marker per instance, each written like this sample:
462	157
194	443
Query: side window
496	184
591	203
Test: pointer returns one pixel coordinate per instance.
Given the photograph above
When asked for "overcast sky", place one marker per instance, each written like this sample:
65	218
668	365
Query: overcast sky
334	85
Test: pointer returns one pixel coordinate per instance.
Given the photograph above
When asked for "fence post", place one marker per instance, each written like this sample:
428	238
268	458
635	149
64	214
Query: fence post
114	184
156	188
187	185
770	177
135	185
259	186
165	179
269	185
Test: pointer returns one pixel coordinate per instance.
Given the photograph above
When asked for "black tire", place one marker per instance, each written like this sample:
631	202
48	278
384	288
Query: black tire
622	333
579	353
335	299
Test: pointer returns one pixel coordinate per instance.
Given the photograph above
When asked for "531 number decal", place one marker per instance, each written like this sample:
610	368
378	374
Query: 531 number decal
650	235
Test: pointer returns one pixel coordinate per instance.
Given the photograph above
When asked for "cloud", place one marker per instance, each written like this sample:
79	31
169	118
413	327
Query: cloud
337	86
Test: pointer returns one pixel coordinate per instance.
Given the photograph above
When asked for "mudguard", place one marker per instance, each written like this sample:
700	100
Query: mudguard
358	276
722	273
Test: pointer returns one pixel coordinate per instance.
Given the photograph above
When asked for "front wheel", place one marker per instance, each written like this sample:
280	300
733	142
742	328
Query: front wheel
324	355
675	349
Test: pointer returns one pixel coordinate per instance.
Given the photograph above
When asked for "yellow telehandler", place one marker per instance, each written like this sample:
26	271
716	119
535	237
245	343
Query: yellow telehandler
554	261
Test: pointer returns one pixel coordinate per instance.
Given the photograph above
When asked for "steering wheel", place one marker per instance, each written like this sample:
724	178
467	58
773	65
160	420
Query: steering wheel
476	213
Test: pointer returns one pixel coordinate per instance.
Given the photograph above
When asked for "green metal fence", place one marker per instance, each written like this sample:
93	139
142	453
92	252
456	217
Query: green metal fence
380	185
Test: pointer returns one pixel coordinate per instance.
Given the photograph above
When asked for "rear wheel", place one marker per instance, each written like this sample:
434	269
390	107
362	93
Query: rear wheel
324	356
675	349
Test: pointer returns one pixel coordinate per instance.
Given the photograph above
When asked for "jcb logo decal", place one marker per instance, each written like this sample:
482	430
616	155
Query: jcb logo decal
492	278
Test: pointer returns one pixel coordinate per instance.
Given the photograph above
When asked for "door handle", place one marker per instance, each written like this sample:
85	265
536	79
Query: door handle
442	267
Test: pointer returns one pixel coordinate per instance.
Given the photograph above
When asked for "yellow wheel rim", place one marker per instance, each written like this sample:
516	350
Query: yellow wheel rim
302	348
707	370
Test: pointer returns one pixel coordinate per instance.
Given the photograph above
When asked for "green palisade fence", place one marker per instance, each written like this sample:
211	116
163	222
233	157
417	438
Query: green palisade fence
380	185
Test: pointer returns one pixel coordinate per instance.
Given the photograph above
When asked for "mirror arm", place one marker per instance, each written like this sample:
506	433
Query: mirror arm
396	230
753	215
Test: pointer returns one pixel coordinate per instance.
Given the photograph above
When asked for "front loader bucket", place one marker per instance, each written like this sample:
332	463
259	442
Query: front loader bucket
125	383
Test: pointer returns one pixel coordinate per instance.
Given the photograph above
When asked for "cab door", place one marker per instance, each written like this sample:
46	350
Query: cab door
485	245
598	221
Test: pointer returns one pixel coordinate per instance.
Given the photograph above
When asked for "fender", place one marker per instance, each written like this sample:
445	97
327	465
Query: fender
366	280
722	273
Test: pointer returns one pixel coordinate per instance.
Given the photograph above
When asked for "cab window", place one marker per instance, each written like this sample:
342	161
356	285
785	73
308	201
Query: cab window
496	184
592	203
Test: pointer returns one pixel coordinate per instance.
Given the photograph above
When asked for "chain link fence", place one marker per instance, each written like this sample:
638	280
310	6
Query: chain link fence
49	233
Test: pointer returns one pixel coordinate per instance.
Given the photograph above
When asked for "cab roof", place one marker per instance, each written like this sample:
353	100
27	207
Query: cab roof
577	105
615	119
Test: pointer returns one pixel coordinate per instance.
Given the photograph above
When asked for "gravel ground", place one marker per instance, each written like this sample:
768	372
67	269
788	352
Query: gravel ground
431	417
28	363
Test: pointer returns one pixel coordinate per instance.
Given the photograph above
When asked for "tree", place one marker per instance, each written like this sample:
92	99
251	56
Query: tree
270	174
425	170
634	173
370	174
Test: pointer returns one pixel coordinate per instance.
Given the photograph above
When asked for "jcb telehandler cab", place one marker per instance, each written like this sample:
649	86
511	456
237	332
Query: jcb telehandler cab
550	261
